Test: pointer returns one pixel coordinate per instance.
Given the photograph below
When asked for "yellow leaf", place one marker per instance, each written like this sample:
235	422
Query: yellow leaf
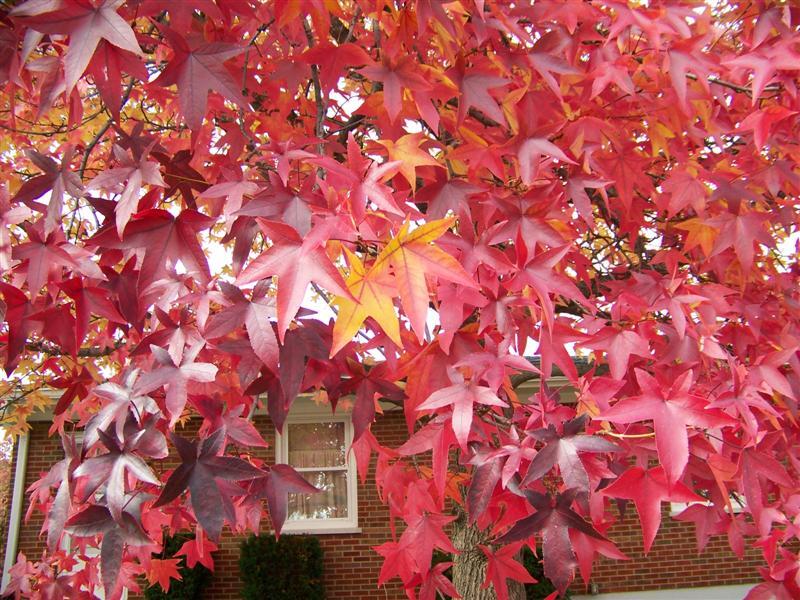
37	400
509	104
659	134
373	292
407	150
411	256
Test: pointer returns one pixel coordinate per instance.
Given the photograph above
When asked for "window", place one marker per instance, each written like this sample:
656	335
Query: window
315	443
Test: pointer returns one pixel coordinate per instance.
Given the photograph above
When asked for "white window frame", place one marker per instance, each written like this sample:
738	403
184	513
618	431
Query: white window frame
738	506
306	411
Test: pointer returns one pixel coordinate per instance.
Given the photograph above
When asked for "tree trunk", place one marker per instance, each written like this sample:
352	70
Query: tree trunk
469	566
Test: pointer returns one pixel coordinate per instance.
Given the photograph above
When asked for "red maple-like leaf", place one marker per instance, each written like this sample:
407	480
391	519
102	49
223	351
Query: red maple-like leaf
58	179
133	174
553	519
435	584
201	464
648	489
120	400
396	74
165	240
197	68
198	550
89	301
619	345
424	533
175	378
255	315
485	477
707	522
275	486
435	436
501	566
671	410
463	397
96	519
586	548
109	469
44	256
474	85
334	60
238	429
162	571
296	262
397	561
563	450
85	23
364	178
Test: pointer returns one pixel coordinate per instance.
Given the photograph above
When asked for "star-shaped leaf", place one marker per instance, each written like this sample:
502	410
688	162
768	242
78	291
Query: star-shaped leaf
165	240
86	24
412	255
275	486
372	291
296	262
197	68
175	378
648	489
671	410
255	315
553	519
201	464
410	155
563	450
462	397
501	566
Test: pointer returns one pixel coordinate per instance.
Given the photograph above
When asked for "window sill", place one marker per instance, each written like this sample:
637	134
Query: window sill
311	530
676	508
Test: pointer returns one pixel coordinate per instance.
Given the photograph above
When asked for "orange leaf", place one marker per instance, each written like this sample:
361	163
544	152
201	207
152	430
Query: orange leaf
408	152
162	570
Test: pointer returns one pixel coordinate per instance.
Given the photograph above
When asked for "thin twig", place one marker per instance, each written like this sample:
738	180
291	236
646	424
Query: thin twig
102	131
318	99
91	352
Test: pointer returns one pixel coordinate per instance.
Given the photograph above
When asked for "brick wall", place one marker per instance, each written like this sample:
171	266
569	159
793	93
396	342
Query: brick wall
351	566
673	561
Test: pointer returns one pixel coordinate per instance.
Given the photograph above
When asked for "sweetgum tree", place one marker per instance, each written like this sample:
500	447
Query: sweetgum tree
209	203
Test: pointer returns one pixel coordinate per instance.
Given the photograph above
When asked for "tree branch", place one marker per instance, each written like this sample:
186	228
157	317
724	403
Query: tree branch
90	352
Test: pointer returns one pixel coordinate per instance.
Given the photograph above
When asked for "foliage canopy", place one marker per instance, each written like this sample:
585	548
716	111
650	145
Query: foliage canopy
209	202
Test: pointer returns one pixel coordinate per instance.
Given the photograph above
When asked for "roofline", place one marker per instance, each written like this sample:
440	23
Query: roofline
558	380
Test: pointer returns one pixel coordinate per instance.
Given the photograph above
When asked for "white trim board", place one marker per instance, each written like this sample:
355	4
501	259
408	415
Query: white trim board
15	514
717	592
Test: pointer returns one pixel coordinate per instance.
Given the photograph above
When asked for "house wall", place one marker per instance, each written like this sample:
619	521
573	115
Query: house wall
352	566
673	561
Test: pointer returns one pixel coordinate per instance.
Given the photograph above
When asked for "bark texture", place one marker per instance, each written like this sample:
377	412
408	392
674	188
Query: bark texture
469	566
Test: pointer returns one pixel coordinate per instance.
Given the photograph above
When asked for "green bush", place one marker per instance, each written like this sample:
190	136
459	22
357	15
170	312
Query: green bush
286	569
544	587
192	582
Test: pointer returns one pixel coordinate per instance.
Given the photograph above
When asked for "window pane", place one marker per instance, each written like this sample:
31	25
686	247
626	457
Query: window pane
330	503
316	445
